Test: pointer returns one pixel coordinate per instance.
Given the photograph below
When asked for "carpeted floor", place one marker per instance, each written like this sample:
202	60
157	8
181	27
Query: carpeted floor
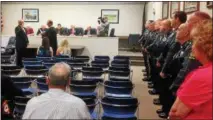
147	110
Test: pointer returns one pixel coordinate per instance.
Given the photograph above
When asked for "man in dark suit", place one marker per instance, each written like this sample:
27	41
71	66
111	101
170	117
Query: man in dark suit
21	42
52	35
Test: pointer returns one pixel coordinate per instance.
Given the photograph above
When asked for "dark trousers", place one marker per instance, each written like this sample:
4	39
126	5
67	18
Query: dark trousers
20	53
166	97
145	56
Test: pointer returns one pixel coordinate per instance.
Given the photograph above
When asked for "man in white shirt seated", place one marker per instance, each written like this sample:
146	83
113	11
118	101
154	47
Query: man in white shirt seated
56	103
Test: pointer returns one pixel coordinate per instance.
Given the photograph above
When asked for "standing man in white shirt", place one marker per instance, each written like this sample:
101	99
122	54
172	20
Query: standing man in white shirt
56	103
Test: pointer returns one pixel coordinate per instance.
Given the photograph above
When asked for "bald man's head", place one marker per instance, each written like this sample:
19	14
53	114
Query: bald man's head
20	22
165	26
183	33
59	75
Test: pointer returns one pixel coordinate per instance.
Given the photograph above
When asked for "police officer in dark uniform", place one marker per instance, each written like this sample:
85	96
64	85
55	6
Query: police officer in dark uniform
142	41
183	36
170	48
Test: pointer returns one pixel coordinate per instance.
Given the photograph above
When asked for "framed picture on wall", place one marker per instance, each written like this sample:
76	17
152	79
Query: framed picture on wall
30	15
111	14
174	6
165	10
190	7
209	4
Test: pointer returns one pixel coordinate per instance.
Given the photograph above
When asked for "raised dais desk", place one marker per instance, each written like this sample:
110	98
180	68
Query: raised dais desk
89	46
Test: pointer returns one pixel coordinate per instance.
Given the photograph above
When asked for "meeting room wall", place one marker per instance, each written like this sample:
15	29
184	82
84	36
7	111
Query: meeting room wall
80	14
157	7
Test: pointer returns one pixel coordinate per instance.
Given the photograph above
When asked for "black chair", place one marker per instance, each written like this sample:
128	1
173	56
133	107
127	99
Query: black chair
39	58
42	87
21	79
112	33
25	87
119	108
8	54
82	58
133	40
83	88
102	58
20	105
118	88
101	64
77	64
31	63
92	72
30	59
10	70
119	73
93	31
36	70
120	63
91	102
79	31
62	58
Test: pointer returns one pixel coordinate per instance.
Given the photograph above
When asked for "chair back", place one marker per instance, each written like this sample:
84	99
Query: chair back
102	58
20	104
82	58
83	87
119	107
100	63
118	88
112	32
21	79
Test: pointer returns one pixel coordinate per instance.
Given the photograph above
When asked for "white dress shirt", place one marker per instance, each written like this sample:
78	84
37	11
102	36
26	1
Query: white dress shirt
56	104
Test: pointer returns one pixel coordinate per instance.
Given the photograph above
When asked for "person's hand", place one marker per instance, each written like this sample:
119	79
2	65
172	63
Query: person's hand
158	64
162	75
172	115
145	50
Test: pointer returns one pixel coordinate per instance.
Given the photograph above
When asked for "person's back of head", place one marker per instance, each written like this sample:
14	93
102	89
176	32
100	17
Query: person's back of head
181	16
49	23
197	17
59	76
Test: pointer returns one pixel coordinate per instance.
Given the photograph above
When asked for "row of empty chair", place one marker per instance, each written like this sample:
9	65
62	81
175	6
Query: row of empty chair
117	100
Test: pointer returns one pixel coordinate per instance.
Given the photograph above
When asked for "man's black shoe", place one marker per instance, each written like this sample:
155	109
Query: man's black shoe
159	111
153	92
163	115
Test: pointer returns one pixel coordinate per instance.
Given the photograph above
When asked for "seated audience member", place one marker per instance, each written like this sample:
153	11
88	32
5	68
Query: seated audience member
56	103
60	30
8	93
9	90
41	30
45	50
64	48
72	30
90	31
29	30
194	96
